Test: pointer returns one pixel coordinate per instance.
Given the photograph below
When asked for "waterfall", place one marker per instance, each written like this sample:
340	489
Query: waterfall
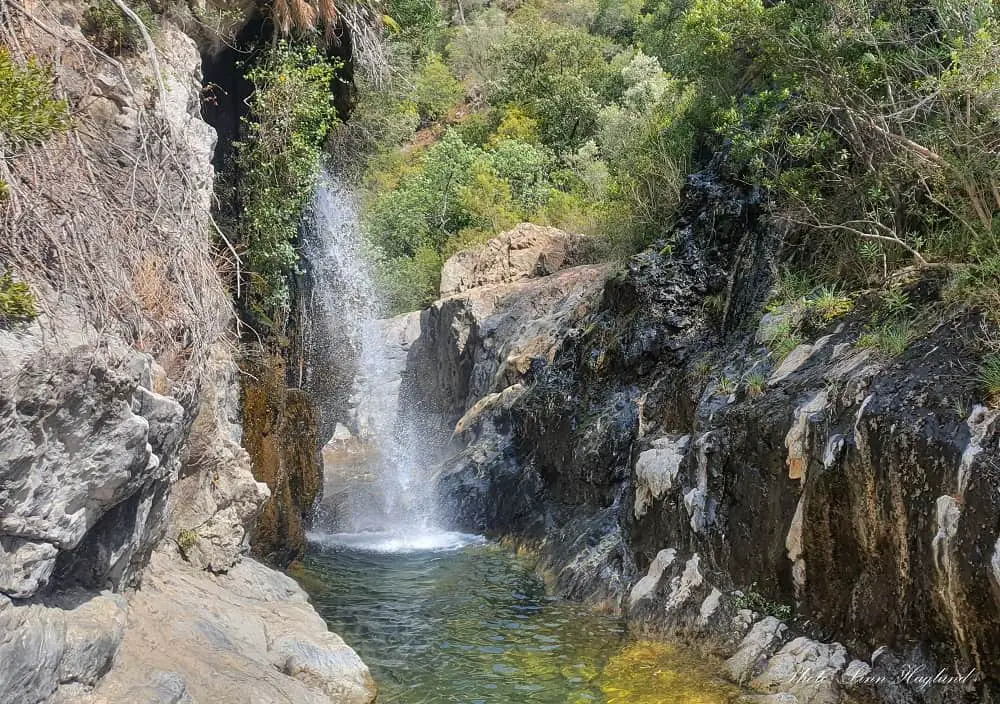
378	494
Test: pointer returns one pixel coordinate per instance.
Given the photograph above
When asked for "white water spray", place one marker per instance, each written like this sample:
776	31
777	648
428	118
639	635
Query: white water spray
386	498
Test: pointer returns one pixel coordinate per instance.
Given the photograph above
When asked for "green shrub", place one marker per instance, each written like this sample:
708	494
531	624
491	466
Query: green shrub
435	90
278	159
108	28
890	338
989	376
410	283
17	303
28	112
755	601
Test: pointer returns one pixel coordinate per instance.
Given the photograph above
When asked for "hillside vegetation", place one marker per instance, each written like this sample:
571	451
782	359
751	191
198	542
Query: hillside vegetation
873	125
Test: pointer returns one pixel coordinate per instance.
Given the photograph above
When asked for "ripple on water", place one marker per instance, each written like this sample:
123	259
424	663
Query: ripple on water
469	623
396	542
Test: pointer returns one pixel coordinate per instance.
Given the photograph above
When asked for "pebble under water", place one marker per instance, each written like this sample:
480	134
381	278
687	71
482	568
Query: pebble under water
473	624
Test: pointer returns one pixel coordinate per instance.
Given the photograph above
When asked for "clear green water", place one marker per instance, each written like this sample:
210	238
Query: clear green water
475	626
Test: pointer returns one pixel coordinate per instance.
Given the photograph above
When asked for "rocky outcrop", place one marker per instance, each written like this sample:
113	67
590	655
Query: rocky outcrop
705	483
215	503
246	635
526	252
126	500
282	437
88	456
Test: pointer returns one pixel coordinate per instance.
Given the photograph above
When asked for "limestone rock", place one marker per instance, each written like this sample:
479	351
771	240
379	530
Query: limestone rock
247	635
763	639
809	670
525	252
87	458
25	565
71	639
645	587
798	438
216	501
656	470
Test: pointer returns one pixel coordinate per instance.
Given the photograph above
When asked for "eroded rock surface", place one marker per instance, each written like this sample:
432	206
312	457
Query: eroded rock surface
526	252
249	635
857	491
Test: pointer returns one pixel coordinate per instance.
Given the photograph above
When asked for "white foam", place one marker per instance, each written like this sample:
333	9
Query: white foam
397	542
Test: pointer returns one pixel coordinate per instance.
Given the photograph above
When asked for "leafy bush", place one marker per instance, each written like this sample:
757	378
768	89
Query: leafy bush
755	601
435	90
108	28
28	112
17	303
278	158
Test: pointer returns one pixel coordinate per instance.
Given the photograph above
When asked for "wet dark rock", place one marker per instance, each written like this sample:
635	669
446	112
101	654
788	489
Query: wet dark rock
856	492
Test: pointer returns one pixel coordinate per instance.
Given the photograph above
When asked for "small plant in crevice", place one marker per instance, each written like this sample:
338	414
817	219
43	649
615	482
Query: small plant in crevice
753	600
715	306
17	303
827	304
756	384
890	338
894	327
726	386
786	339
703	368
111	31
989	376
186	540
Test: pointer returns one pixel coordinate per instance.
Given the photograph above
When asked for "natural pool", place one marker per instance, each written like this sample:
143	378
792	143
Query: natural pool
472	624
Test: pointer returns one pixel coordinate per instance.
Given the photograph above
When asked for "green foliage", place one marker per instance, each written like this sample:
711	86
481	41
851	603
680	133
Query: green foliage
28	112
890	338
756	384
989	376
435	90
111	31
278	157
186	540
786	339
755	601
17	303
726	386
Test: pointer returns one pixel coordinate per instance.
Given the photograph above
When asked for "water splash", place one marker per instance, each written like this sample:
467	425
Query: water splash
376	478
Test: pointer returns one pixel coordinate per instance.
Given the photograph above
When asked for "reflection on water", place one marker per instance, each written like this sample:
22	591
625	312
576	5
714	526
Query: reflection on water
473	625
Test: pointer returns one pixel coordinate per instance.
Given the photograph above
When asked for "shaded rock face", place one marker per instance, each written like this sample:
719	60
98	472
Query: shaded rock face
216	501
858	490
281	436
88	456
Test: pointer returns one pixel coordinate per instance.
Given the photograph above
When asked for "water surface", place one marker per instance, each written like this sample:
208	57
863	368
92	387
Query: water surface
470	623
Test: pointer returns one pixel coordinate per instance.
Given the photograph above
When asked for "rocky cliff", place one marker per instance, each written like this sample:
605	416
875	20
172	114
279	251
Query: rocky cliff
826	520
127	500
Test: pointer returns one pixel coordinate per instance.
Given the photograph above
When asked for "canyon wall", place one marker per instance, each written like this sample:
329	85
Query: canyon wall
826	520
127	500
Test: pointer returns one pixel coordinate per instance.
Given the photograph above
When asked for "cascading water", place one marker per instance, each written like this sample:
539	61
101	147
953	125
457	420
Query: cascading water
378	494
